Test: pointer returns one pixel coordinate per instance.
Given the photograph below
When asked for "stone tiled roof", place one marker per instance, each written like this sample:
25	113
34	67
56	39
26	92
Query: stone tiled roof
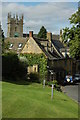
16	41
63	49
58	44
43	46
55	37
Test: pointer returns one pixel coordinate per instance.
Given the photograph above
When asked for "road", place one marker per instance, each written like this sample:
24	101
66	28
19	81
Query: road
73	91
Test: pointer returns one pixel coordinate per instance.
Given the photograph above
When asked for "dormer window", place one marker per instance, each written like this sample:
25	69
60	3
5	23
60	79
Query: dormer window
11	46
20	46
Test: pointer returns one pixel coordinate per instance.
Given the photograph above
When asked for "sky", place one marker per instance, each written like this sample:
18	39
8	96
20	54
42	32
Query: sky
52	15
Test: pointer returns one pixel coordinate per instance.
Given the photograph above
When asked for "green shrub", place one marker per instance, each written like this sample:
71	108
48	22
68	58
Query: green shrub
39	59
12	68
34	77
55	83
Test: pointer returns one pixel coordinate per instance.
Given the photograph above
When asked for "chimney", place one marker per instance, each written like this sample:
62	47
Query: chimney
61	35
30	33
49	36
22	17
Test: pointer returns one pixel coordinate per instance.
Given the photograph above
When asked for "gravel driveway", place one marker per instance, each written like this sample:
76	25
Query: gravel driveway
73	91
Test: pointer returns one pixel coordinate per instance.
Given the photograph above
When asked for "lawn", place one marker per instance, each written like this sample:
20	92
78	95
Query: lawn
32	101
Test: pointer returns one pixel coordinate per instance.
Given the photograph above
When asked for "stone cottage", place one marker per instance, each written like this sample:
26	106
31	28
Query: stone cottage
52	47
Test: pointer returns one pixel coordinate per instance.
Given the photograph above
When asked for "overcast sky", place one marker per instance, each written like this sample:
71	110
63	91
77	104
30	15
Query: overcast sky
53	15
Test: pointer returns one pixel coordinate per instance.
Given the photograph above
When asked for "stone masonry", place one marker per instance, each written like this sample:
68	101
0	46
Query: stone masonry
15	26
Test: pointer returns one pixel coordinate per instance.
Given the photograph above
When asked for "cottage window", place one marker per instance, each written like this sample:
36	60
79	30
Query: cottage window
16	34
35	69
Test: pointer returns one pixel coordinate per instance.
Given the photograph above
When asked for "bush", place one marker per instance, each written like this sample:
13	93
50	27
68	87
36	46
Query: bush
37	59
12	68
55	83
34	77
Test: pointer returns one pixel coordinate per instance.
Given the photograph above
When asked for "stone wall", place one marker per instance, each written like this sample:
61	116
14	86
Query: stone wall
31	47
61	67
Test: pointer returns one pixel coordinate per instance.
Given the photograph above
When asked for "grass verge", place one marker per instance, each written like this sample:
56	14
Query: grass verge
32	101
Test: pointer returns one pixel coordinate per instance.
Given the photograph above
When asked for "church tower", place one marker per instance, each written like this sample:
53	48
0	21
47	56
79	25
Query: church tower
15	26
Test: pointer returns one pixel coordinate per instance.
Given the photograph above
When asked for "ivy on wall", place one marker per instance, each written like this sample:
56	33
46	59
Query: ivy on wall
39	59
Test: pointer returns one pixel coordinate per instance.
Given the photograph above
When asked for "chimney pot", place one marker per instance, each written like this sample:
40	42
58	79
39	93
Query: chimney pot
30	33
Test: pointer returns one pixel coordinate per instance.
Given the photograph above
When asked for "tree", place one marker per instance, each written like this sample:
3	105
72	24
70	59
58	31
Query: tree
71	36
75	47
65	34
42	33
2	37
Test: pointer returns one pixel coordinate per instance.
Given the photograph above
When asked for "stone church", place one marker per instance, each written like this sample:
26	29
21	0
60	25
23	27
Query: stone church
52	47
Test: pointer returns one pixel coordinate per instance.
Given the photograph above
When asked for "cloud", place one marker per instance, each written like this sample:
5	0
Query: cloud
53	16
41	1
0	11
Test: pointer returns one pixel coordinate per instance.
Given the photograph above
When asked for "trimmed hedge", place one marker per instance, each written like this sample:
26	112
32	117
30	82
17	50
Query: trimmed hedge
12	67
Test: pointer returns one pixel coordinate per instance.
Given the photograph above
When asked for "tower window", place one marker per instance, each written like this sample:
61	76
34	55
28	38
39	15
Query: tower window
16	34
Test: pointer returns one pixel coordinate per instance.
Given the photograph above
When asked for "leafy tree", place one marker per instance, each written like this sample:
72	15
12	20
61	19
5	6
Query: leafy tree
75	18
42	33
65	35
2	37
71	36
75	47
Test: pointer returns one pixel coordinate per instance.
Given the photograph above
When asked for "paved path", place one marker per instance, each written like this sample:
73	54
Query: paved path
73	91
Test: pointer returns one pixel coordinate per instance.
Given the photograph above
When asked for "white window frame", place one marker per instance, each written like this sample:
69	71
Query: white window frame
20	45
11	46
